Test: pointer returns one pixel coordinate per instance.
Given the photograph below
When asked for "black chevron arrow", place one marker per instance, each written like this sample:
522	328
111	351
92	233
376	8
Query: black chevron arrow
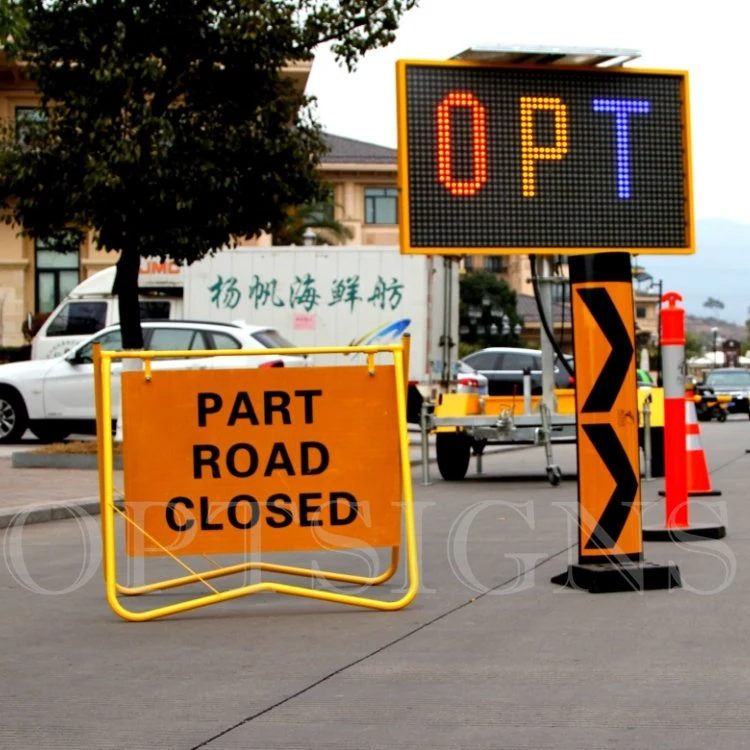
612	521
615	370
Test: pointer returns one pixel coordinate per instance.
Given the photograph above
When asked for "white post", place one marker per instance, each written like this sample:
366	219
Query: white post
128	365
543	272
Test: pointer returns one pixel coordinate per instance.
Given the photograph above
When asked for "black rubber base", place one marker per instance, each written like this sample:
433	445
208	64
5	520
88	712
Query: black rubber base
608	577
689	534
710	493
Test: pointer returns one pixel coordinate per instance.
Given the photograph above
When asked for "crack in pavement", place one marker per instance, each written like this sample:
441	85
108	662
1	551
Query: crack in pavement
380	649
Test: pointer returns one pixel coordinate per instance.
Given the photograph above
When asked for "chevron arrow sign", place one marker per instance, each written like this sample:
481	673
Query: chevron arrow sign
607	419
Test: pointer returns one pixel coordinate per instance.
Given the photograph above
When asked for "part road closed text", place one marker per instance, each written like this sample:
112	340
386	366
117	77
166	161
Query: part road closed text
261	460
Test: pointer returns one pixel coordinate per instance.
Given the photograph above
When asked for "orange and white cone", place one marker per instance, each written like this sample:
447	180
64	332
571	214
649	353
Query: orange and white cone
698	478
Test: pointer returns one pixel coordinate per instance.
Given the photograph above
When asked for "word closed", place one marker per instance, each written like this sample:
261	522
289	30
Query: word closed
513	159
253	460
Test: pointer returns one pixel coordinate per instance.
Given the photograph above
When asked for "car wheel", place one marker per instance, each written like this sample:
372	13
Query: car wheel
13	417
50	433
453	454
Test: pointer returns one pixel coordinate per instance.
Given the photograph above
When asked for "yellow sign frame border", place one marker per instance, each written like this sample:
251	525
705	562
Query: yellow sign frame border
404	203
109	510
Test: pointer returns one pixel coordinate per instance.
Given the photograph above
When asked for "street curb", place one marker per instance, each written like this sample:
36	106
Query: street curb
29	460
89	506
25	515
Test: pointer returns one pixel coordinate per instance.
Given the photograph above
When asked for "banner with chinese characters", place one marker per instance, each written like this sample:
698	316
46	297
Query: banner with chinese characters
323	296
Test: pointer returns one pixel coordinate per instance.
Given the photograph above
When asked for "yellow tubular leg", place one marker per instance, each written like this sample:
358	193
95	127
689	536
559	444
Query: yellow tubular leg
269	568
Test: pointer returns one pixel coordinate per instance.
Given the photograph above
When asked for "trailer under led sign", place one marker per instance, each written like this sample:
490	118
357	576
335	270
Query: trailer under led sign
509	159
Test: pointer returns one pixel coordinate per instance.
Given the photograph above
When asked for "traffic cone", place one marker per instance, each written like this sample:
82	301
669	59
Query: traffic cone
698	478
686	471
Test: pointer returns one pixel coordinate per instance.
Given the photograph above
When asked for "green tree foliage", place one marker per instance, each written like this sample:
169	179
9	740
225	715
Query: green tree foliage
693	344
171	128
713	304
316	217
12	23
484	300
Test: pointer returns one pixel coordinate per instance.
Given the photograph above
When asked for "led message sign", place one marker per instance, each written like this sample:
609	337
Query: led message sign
512	159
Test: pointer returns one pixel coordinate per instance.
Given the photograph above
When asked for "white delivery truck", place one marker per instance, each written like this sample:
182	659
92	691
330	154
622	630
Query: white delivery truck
316	296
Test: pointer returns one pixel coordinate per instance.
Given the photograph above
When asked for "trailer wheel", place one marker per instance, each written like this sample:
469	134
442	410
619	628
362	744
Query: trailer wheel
554	475
453	454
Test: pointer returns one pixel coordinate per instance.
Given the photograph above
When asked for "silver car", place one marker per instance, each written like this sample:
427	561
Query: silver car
468	380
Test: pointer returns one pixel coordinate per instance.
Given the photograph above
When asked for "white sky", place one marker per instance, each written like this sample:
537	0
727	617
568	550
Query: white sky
709	40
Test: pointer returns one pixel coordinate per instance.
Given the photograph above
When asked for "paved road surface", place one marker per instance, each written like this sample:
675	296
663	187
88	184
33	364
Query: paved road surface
490	655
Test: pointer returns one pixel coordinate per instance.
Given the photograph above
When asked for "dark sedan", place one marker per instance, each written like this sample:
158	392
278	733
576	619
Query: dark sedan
730	381
504	367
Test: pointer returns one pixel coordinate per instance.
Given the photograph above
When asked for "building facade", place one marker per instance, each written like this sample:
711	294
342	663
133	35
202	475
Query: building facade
35	276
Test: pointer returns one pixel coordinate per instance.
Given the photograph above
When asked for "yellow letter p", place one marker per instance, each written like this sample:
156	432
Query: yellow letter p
530	152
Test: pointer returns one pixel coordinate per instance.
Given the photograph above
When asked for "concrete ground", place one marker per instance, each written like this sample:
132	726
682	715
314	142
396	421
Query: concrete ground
491	655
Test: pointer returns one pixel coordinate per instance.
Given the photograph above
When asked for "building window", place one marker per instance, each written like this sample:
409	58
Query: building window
28	118
381	206
57	260
469	263
640	312
494	264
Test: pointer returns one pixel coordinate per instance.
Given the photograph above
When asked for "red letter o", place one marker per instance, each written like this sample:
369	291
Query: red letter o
478	143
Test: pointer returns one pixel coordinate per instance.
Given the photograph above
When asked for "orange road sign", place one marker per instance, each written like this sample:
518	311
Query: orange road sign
261	460
607	417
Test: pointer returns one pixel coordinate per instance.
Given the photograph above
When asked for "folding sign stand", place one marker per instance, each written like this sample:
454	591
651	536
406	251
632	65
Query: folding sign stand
258	461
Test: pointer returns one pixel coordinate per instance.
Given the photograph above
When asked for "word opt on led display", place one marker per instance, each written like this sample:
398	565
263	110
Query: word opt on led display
511	159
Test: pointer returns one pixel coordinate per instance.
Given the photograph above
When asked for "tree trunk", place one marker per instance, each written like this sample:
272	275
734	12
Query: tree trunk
126	289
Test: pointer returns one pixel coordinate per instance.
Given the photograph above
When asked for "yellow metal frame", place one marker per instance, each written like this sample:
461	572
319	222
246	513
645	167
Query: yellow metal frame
109	510
403	163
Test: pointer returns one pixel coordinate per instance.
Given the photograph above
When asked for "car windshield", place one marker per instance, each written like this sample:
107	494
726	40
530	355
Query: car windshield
111	341
272	339
737	378
568	359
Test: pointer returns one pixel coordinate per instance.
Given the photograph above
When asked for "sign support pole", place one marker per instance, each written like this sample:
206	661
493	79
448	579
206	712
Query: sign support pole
446	341
543	272
610	540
